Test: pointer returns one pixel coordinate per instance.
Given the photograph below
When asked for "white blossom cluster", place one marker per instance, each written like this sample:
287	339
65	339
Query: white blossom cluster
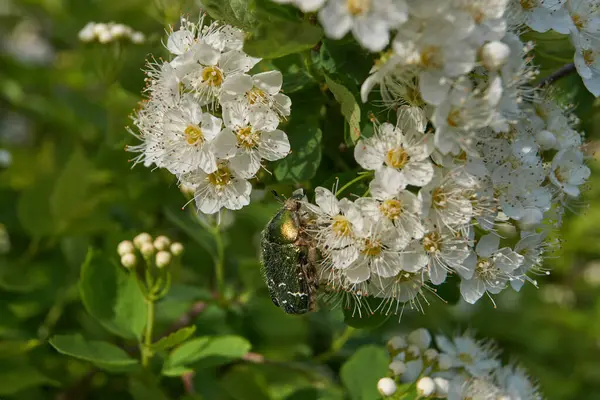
158	251
460	368
207	120
474	153
109	32
580	19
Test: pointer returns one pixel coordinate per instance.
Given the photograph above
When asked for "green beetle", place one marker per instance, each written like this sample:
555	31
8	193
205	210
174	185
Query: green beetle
288	259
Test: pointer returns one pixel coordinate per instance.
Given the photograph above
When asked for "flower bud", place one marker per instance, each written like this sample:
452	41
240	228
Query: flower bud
413	352
128	260
138	38
141	239
147	249
105	37
386	386
444	362
441	386
162	243
397	367
420	338
397	343
125	247
177	249
425	386
494	55
431	355
163	259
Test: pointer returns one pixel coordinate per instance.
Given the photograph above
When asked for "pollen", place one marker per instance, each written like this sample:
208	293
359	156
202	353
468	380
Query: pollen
454	118
372	248
213	76
397	158
358	7
247	137
439	198
341	226
256	95
391	209
221	177
430	57
578	21
432	242
193	134
588	57
529	4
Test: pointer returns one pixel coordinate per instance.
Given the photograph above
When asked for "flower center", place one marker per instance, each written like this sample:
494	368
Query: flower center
578	21
588	57
432	242
439	198
465	358
391	209
221	177
372	248
485	268
358	7
397	158
454	118
341	226
529	4
247	138
559	176
255	95
430	57
193	134
213	76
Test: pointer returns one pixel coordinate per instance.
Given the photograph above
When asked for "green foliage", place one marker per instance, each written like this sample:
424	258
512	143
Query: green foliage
350	108
362	371
102	354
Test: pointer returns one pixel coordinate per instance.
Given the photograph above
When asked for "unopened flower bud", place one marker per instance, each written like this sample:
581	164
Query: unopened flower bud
431	355
147	249
494	55
413	351
444	362
163	259
441	386
128	260
105	37
162	243
425	386
386	386
138	38
397	343
125	247
177	249
142	238
420	338
397	367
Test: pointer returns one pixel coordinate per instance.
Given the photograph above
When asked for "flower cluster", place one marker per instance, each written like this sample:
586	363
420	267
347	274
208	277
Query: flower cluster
459	368
472	175
159	251
207	120
110	32
580	19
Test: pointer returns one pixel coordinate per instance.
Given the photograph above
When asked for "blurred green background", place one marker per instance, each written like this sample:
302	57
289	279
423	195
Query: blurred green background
66	184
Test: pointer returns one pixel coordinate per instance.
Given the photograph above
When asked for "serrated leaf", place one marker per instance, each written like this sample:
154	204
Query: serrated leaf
14	378
174	339
208	351
239	13
303	162
112	296
362	371
97	352
71	188
34	210
350	108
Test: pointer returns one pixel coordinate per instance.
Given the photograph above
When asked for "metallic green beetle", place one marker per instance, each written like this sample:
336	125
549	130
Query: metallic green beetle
288	259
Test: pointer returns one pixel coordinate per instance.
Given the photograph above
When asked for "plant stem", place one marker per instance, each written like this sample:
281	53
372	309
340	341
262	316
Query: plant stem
556	75
352	182
337	344
146	352
219	261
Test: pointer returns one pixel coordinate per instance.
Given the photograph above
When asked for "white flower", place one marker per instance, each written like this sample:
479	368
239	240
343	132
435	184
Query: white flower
531	247
514	384
125	247
370	21
218	189
465	388
188	135
304	5
399	155
398	290
537	14
569	171
128	260
581	18
445	201
477	357
587	62
263	88
489	269
250	135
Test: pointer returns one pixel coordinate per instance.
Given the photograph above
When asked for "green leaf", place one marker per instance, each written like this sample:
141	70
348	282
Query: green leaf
303	162
233	12
33	208
71	188
97	352
174	339
15	378
243	382
362	371
366	318
12	348
350	108
206	351
112	296
146	387
279	37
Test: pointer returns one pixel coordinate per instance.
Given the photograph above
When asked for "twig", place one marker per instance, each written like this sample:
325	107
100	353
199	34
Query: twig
195	310
556	75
